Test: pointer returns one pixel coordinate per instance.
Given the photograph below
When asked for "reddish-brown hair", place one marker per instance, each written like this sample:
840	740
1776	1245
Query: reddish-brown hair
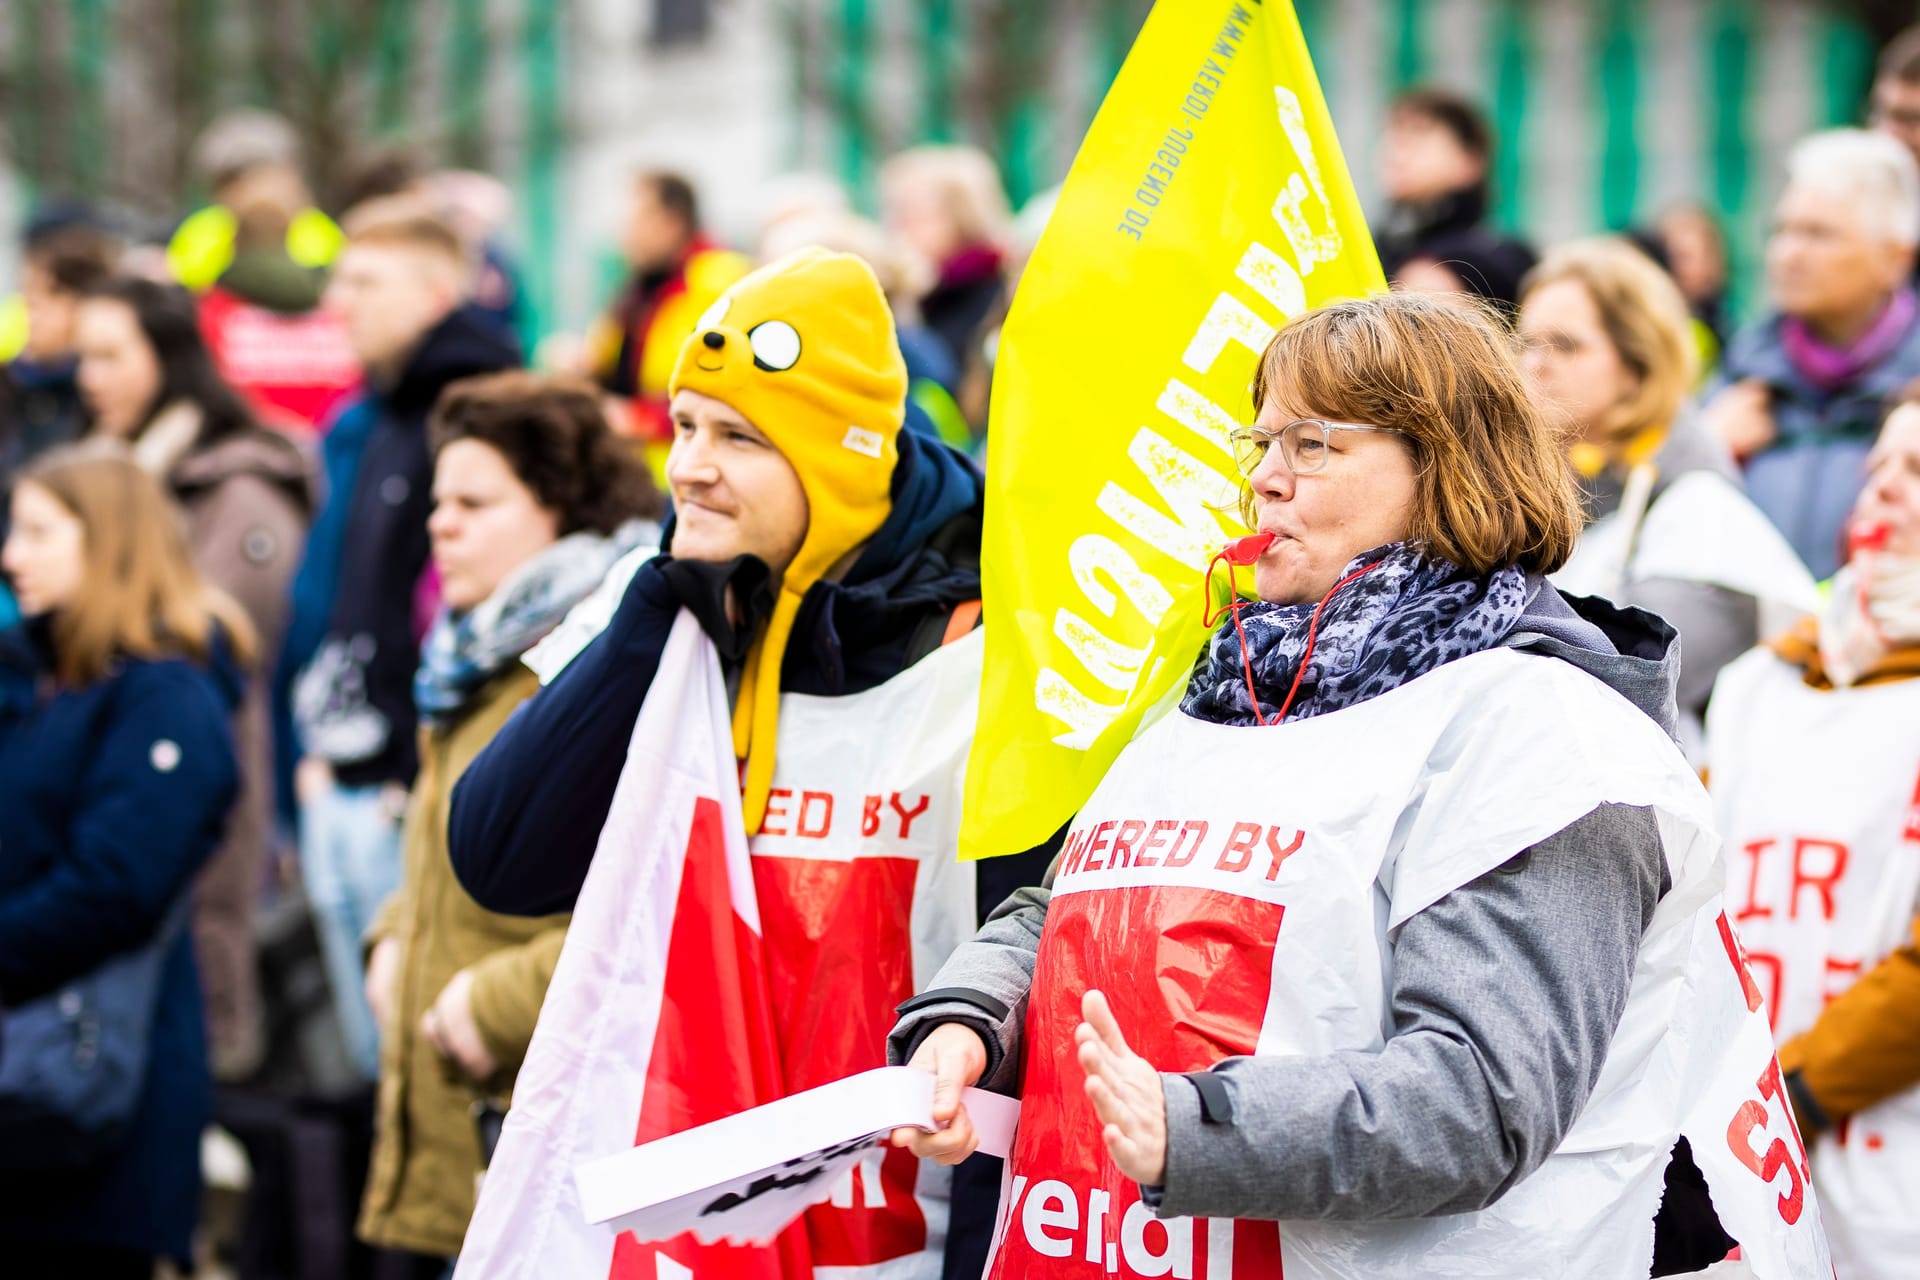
1494	488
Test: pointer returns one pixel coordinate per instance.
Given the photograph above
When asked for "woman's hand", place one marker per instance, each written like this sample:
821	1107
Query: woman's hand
1126	1094
1742	416
450	1028
956	1058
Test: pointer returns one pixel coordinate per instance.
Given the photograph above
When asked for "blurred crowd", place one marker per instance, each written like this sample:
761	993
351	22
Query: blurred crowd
305	441
286	479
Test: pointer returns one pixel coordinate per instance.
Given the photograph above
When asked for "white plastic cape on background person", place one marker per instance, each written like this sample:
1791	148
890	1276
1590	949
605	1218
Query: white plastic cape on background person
1818	796
1208	205
704	973
1700	529
1226	913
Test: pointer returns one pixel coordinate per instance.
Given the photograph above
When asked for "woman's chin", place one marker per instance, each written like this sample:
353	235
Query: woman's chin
1281	586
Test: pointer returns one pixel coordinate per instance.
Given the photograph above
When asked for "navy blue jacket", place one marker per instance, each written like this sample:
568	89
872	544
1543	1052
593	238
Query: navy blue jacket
112	796
354	595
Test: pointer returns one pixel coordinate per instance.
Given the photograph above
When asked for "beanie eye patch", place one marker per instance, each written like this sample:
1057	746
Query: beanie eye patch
714	314
776	345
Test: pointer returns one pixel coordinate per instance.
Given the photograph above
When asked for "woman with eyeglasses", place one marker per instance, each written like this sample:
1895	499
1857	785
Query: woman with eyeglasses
1609	352
1362	961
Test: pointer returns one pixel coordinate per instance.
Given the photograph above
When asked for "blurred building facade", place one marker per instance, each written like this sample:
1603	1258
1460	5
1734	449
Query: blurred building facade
1608	110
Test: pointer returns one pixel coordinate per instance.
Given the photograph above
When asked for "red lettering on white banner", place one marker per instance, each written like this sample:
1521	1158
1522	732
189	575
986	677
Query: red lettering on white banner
1278	854
815	821
1753	910
1238	855
1841	974
1173	843
908	815
1768	1163
1737	956
810	815
1835	859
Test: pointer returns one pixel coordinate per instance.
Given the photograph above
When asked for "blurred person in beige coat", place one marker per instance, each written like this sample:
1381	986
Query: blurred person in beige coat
533	500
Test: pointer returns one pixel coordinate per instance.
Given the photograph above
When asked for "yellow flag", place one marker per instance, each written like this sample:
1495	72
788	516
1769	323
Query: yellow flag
1209	203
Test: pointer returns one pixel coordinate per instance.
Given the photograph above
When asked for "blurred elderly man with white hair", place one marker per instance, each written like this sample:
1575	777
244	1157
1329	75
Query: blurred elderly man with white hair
1802	393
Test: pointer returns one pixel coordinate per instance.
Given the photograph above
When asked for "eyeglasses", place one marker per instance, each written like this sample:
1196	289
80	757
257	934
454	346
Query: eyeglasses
1304	444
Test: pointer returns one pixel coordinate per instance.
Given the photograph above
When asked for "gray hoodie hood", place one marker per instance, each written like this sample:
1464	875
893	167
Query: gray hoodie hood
1631	651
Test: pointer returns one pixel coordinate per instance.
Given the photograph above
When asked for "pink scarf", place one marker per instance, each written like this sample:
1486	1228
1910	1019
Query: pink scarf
1830	368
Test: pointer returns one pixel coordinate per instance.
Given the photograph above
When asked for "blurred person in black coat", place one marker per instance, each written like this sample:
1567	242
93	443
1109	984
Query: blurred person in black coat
1435	173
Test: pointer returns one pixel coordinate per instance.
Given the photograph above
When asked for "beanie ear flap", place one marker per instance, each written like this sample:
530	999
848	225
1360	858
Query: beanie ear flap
743	704
756	718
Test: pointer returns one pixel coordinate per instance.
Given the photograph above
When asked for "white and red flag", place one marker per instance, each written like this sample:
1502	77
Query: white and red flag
658	1017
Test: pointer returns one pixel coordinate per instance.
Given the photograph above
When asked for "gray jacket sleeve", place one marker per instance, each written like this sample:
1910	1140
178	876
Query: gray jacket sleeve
996	964
1505	998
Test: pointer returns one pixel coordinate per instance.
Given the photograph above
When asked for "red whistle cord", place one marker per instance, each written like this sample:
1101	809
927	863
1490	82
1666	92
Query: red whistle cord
1244	552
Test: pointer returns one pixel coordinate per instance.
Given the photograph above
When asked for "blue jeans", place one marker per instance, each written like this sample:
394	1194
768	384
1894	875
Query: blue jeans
350	861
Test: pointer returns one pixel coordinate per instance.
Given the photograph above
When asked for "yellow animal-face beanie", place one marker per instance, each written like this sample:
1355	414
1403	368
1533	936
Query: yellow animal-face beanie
804	349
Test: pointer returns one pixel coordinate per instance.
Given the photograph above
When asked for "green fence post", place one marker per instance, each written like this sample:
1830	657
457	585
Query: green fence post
541	59
1409	64
936	70
1512	93
1729	49
466	82
392	54
1619	89
90	37
850	96
1843	68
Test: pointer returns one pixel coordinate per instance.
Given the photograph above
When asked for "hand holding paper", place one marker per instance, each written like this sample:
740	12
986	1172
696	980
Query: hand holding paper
745	1178
955	1058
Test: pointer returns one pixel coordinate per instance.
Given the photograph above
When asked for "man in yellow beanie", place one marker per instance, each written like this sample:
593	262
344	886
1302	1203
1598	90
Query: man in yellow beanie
834	560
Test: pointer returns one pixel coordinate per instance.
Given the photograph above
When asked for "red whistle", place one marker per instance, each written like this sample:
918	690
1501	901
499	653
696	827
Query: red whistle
1244	551
1869	537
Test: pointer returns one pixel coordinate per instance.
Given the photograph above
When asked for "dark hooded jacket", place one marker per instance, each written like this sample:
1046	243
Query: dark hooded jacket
112	796
1452	230
353	636
46	411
